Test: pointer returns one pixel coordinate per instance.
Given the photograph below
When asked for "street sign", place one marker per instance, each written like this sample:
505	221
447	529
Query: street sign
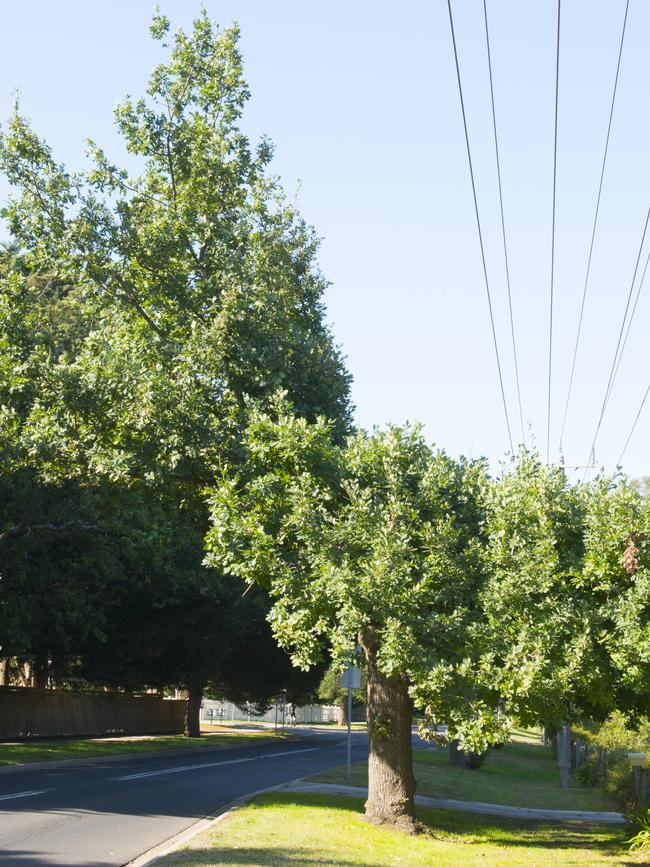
351	678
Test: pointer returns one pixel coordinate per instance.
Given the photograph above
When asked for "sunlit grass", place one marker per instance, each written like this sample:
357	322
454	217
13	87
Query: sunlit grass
522	774
302	830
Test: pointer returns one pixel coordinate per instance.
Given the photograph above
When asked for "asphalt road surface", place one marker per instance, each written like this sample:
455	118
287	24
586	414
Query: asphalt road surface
111	812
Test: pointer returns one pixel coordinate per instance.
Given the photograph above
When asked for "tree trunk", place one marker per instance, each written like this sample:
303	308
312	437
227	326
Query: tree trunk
343	709
564	755
41	671
391	784
4	672
193	711
456	756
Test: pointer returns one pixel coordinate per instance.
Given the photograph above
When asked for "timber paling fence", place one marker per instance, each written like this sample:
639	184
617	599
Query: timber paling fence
26	712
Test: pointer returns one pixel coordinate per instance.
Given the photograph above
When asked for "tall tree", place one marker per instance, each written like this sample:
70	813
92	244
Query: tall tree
567	604
615	591
534	558
191	292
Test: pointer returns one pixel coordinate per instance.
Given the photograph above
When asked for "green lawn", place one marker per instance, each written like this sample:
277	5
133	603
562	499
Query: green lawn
43	751
302	830
522	774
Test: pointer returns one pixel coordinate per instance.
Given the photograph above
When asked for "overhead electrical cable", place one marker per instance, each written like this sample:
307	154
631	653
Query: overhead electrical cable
629	322
595	224
503	223
615	360
478	224
550	326
633	428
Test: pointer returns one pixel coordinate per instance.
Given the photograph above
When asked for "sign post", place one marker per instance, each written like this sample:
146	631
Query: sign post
350	679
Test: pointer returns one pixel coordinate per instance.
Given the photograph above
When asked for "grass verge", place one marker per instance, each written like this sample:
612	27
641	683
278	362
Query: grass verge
44	751
302	830
522	774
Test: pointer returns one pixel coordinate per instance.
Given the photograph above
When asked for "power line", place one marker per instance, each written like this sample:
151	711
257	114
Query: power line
478	223
595	223
503	223
629	436
629	323
550	327
610	381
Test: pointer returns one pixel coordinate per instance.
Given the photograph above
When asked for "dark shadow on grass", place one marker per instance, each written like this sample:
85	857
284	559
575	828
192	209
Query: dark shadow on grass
277	856
500	831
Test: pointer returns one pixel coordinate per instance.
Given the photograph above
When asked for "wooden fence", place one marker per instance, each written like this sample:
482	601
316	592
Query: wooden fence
39	713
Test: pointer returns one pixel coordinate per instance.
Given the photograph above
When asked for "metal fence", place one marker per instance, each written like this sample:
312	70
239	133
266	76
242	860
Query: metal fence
223	712
37	713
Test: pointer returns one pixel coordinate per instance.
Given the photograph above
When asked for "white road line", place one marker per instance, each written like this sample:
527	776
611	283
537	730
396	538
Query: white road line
288	753
181	769
22	795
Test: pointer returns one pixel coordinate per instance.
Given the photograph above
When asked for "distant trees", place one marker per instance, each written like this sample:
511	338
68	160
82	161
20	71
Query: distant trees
331	691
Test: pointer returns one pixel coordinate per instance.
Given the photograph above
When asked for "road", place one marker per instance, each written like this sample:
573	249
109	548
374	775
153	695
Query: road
109	813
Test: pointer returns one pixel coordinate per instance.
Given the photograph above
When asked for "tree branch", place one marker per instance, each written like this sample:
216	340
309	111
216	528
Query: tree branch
23	529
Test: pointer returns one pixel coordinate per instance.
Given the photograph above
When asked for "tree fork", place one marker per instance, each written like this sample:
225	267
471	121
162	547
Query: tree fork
391	784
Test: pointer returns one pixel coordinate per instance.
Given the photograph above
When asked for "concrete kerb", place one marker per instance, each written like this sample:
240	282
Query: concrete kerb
522	813
178	840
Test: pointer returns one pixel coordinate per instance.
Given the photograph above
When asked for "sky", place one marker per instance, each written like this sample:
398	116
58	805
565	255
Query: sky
361	101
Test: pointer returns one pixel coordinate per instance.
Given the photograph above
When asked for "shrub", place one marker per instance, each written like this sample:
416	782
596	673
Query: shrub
620	785
591	773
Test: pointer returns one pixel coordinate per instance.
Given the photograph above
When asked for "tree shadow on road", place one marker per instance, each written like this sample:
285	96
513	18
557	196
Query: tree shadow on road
25	857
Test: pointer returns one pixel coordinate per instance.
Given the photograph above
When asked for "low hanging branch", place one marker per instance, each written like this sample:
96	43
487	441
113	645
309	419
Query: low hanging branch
24	529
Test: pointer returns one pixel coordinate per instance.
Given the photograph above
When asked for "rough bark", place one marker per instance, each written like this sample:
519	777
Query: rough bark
193	711
564	755
4	672
391	784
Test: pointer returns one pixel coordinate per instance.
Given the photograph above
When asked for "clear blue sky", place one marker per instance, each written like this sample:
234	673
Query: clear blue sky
360	100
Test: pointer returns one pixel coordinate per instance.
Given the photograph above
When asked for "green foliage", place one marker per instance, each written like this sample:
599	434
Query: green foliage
382	726
618	733
384	533
614	738
641	840
330	690
142	314
619	783
538	634
591	772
